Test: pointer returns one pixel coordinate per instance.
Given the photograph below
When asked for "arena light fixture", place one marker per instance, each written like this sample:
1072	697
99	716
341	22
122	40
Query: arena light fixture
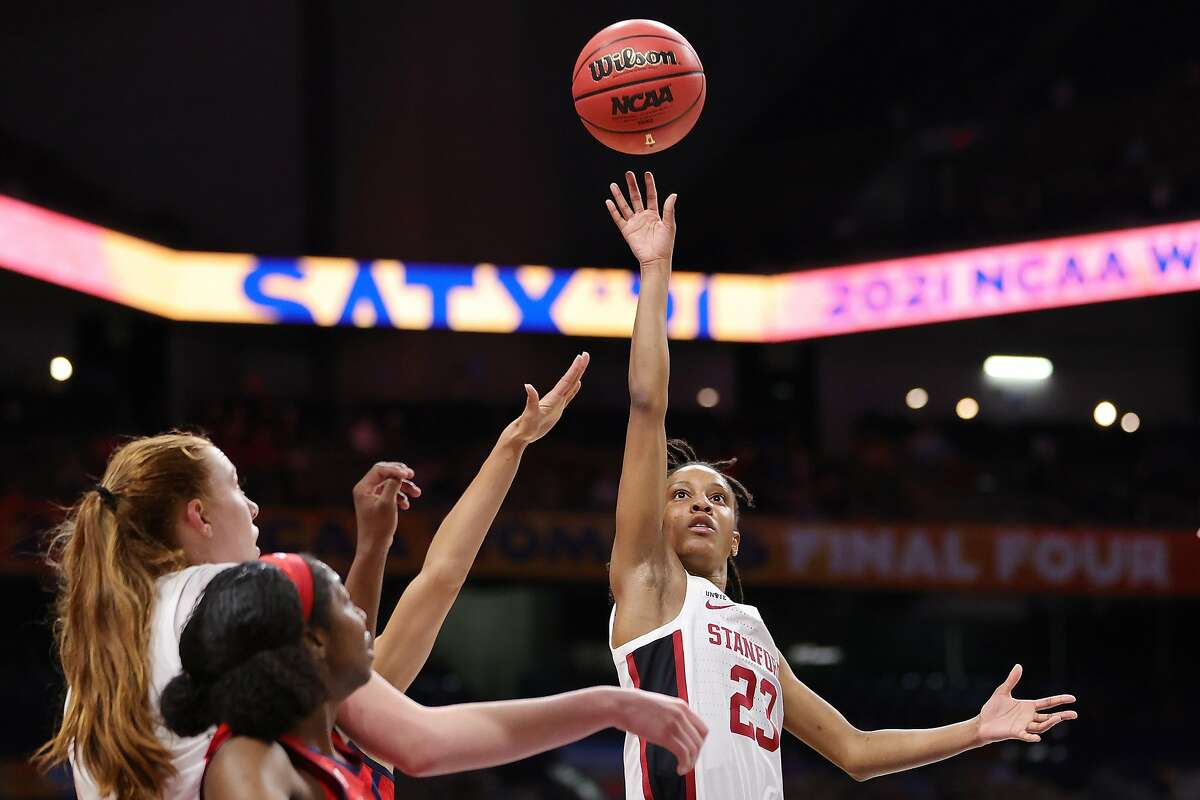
967	408
1105	413
708	397
1018	368
916	398
1130	422
61	368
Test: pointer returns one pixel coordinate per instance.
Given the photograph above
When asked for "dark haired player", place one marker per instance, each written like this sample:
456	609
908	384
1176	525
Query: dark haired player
679	626
274	647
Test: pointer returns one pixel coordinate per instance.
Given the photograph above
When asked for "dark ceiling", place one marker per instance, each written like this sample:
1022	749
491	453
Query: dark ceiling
833	131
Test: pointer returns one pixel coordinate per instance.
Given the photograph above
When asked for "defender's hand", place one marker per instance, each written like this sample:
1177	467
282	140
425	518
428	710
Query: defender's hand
541	414
387	486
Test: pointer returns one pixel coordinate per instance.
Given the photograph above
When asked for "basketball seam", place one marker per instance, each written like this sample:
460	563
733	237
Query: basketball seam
635	83
630	36
681	114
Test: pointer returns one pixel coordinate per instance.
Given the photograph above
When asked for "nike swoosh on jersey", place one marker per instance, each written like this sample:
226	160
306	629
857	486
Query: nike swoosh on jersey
717	608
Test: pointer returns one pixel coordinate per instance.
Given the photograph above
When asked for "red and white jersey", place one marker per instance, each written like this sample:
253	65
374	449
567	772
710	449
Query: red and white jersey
350	775
718	656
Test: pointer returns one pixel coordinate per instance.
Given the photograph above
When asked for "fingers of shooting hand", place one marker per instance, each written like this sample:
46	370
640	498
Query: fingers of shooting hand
616	215
635	194
1051	702
531	399
669	211
651	192
622	206
410	488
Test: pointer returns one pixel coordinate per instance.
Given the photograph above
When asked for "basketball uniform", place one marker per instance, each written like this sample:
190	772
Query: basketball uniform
718	656
348	776
176	594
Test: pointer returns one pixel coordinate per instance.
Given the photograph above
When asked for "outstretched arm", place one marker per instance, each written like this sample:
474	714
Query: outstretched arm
405	644
869	754
641	573
434	741
386	486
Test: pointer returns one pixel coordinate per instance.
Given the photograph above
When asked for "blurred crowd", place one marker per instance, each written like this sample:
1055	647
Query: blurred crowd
893	470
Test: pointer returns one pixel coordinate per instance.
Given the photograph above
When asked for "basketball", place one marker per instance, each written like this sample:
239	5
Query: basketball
638	86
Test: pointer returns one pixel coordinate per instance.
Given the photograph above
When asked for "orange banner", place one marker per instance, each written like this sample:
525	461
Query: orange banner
774	551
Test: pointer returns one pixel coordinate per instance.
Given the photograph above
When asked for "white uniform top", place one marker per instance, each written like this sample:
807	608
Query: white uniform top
176	596
719	656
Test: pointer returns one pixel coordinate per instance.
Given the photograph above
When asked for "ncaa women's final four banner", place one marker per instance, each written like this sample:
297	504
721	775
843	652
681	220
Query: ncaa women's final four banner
775	551
243	288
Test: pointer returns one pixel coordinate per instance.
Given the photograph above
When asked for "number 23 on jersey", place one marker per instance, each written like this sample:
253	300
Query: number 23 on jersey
743	701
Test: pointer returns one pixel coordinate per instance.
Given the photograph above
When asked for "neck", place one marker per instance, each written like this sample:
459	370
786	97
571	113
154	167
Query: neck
316	729
719	577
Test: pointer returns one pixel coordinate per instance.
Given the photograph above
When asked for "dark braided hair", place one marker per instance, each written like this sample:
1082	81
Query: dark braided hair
244	658
679	455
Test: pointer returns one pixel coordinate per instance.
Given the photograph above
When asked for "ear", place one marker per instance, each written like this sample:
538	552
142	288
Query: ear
194	519
317	641
737	540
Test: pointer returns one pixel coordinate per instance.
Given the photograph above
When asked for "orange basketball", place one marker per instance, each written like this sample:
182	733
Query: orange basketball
638	86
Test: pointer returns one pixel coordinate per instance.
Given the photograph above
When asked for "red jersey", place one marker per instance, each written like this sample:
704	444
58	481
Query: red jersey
353	776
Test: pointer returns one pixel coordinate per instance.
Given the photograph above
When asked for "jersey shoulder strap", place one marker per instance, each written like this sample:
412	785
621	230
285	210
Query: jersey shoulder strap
340	781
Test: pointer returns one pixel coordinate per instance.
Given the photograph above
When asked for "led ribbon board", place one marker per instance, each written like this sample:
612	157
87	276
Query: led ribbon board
243	288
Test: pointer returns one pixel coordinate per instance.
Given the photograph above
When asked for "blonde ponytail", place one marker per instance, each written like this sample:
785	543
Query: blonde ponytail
115	542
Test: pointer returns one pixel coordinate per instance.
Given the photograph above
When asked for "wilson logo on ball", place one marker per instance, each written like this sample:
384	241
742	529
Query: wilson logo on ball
629	58
641	101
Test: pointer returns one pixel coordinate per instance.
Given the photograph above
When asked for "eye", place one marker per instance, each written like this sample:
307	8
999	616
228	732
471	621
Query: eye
679	494
718	498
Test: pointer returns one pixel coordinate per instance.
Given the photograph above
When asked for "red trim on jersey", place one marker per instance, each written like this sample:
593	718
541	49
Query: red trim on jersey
682	690
637	684
340	780
354	780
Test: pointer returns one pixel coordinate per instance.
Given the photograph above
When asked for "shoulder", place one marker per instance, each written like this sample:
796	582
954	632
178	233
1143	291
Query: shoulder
191	579
245	766
178	592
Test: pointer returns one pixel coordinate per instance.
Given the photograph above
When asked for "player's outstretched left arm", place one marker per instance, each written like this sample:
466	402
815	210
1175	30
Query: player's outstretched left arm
869	754
406	641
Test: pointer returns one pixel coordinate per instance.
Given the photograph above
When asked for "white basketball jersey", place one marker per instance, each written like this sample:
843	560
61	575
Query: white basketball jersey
718	656
176	595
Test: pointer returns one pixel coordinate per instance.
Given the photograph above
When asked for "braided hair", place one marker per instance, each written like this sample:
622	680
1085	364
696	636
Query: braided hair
679	455
243	655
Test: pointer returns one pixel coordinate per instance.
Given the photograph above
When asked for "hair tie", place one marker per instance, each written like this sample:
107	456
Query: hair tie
108	497
300	574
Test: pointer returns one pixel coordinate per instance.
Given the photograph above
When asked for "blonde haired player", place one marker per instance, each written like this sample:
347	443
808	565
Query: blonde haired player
675	630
